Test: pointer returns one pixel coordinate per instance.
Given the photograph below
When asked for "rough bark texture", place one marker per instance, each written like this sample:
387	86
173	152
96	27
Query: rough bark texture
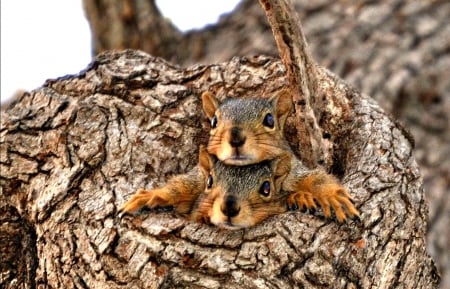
398	52
301	73
76	149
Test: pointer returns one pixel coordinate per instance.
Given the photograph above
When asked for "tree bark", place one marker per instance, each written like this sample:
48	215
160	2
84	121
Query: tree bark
74	150
301	73
136	24
395	51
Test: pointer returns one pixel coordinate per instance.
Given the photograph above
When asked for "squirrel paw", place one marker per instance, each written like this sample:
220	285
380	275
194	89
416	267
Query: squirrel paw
142	197
336	197
327	196
301	200
202	213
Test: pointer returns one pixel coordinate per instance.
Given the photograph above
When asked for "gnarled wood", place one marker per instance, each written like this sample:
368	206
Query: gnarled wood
73	151
395	51
301	73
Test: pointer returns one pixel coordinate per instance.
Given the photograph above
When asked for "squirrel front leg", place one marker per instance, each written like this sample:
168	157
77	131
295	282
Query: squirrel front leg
312	188
202	209
180	192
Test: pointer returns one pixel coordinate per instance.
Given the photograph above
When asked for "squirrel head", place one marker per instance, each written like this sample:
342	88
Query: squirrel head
242	196
247	130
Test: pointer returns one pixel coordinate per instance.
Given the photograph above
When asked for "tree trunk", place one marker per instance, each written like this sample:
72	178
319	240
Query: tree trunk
74	150
134	24
395	51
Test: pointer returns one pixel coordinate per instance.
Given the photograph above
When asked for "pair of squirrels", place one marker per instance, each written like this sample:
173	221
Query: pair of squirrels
247	172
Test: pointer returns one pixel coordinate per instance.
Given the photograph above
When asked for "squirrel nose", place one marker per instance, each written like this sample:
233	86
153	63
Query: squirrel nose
236	139
230	208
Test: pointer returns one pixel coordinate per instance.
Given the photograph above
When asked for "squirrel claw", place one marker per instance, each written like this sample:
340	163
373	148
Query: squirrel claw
329	197
140	199
292	206
301	200
121	213
357	218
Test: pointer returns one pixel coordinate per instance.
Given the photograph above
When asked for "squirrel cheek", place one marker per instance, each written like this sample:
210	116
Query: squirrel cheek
217	217
246	217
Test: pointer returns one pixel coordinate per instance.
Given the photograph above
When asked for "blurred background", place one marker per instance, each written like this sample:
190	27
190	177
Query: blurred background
50	38
396	51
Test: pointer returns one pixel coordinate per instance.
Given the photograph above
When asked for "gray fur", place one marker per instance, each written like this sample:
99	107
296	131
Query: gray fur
243	110
232	179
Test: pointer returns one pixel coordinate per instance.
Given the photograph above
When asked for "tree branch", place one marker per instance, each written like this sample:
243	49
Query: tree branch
134	24
301	73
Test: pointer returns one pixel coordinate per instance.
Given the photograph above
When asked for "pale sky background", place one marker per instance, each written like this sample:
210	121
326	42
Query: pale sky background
37	36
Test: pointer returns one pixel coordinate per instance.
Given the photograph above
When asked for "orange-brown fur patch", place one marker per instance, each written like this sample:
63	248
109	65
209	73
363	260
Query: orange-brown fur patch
261	142
327	192
253	210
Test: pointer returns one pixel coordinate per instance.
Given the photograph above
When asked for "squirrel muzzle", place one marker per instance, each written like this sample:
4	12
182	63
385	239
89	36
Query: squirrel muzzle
236	138
230	206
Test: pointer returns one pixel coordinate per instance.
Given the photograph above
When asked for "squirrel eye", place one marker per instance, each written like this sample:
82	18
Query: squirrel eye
265	189
269	121
209	182
214	122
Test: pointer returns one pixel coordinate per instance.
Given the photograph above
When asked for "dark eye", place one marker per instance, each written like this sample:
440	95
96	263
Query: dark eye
269	121
214	122
265	189
209	182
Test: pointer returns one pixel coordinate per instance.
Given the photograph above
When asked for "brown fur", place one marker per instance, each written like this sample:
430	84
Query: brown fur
326	191
261	142
239	171
181	192
306	188
243	183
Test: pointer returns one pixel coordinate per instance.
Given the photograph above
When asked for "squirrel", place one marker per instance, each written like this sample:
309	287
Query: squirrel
239	197
230	197
248	172
247	131
180	192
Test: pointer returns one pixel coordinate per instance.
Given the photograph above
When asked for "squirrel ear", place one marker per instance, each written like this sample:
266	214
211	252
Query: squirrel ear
282	102
205	160
210	104
281	167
